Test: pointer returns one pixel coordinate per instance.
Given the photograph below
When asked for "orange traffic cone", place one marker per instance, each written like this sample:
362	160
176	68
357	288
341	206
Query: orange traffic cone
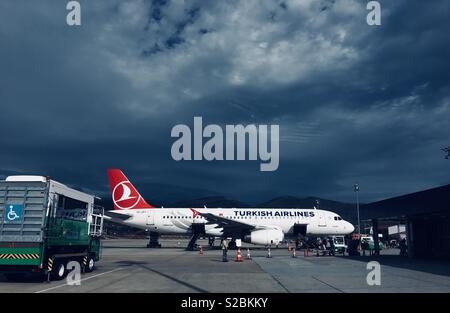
238	255
201	250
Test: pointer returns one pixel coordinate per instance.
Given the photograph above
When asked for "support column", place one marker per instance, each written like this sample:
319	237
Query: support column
410	238
376	241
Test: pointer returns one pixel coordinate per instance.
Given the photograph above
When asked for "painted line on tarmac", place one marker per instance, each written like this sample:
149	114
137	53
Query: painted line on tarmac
273	277
341	291
84	279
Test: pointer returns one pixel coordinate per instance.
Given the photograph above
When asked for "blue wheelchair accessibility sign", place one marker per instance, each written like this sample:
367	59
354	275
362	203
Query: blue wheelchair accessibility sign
13	213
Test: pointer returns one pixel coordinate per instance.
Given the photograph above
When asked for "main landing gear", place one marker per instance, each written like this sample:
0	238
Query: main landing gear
232	244
192	242
154	241
198	229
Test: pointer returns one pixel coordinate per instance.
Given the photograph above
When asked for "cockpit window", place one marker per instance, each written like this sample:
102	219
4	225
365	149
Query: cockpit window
337	218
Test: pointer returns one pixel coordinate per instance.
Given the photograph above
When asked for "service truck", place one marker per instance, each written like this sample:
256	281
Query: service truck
340	246
44	225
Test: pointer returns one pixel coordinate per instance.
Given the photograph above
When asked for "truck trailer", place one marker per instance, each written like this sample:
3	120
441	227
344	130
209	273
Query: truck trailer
44	225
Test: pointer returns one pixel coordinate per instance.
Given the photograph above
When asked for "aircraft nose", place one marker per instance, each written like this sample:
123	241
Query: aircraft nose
350	227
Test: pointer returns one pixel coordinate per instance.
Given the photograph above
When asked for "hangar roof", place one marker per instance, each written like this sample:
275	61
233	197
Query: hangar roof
427	202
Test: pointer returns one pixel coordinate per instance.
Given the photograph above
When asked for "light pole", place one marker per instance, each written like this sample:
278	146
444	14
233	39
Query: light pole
356	189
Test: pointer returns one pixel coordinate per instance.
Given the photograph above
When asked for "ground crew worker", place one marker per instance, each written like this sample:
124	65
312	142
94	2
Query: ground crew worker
332	247
224	251
328	246
403	247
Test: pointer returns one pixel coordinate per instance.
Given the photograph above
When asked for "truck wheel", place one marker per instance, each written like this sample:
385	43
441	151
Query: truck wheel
90	265
59	271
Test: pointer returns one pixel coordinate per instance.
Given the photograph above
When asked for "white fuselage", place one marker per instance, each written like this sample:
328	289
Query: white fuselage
180	220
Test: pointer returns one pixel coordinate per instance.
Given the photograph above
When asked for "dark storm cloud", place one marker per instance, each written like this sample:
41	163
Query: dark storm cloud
354	103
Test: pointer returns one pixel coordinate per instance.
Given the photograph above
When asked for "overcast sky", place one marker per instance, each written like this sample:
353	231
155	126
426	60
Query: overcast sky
354	103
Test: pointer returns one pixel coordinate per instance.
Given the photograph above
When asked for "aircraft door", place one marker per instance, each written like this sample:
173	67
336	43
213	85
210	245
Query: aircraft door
299	229
150	218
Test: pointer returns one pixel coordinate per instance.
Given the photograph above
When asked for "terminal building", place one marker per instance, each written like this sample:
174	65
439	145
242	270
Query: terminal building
426	215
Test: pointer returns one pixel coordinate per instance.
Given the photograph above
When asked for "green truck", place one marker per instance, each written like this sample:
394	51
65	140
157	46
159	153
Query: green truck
44	225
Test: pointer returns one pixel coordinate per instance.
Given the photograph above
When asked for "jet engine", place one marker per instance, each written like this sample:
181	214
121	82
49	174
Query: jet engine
265	237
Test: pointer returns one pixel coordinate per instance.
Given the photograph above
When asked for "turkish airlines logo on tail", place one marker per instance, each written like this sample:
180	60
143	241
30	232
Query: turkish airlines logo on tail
125	196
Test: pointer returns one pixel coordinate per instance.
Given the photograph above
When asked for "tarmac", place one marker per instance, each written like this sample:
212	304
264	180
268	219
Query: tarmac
128	266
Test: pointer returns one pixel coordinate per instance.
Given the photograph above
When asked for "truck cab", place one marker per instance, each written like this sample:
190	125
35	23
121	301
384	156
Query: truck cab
339	244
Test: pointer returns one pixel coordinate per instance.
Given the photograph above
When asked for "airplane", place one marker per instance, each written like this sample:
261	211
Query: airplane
259	226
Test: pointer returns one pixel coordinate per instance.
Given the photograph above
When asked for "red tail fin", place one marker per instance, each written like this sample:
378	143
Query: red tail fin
124	195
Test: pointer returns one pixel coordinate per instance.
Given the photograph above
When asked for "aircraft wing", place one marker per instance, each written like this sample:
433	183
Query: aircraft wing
119	216
230	227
